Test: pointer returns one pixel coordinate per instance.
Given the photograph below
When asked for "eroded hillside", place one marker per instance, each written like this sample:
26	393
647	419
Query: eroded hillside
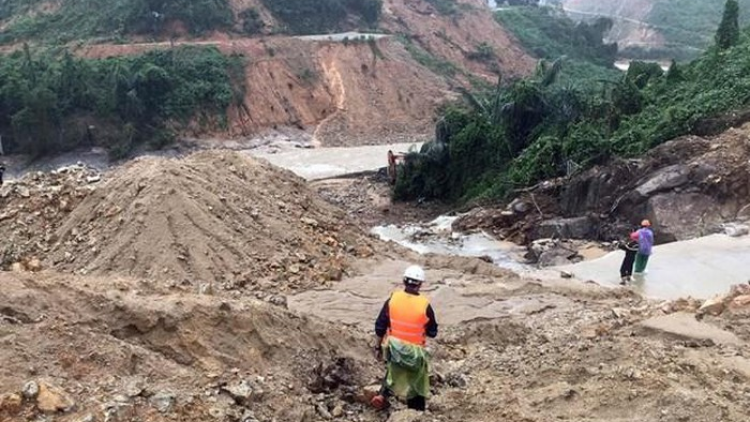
342	88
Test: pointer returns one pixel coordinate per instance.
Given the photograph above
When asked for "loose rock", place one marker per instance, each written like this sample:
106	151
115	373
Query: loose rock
30	390
52	399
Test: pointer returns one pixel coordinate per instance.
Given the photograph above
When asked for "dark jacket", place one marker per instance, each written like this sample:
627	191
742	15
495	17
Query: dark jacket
631	250
383	323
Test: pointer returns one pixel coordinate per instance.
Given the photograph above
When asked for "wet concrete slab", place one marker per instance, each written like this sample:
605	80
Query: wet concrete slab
684	326
701	268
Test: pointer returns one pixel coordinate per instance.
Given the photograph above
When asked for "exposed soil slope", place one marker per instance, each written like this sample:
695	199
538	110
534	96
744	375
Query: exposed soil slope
354	93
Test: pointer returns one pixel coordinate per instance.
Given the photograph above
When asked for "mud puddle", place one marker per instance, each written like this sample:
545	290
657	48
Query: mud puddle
461	298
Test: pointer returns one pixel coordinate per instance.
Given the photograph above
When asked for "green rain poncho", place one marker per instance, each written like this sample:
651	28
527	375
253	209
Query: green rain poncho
408	370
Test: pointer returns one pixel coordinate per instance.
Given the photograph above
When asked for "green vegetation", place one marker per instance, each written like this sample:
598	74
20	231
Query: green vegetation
690	25
323	16
548	33
111	19
52	102
541	127
729	29
426	59
251	22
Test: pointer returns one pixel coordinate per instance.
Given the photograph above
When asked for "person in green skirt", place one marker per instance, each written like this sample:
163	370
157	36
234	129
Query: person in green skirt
645	247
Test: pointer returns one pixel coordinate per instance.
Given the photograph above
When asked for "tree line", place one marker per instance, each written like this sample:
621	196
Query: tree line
52	101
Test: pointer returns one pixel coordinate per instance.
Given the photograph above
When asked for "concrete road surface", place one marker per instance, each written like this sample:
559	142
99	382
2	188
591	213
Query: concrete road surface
700	268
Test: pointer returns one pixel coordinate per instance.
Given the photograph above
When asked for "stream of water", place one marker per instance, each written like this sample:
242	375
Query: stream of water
437	237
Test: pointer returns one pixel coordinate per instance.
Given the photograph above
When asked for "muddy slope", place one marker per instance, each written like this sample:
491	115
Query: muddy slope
118	349
357	93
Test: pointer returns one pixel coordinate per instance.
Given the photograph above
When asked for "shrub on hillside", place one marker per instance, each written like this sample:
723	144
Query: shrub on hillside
322	16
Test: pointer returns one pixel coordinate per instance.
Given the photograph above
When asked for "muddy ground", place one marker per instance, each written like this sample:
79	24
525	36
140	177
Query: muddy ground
120	345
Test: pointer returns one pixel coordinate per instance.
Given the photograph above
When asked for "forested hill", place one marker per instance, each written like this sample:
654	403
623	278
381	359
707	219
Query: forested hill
113	20
538	128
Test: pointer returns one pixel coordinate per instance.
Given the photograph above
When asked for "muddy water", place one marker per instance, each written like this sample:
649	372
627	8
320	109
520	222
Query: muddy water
700	268
436	237
320	163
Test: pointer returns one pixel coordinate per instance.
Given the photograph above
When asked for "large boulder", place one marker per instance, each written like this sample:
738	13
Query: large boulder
596	189
663	180
682	216
567	228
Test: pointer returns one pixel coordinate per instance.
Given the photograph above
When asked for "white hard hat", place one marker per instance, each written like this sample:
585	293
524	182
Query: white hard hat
415	273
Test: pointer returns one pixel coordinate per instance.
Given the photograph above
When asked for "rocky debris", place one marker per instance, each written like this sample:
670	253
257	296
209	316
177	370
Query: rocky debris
52	399
736	300
687	187
10	403
134	386
30	390
735	229
243	392
552	252
663	180
714	306
115	410
407	415
33	207
367	393
681	305
87	418
566	228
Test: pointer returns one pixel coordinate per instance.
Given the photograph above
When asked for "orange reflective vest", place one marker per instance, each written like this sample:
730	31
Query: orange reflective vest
408	317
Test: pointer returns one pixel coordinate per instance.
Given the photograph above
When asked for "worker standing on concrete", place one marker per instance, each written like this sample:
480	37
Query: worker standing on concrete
402	328
645	246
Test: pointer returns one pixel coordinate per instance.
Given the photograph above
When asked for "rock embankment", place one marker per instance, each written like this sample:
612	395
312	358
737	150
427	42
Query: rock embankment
688	187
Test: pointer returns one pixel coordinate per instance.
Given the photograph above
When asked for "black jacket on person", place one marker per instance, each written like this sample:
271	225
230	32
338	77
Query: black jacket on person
383	323
631	250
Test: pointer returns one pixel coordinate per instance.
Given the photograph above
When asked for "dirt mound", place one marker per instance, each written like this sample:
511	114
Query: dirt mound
217	218
135	352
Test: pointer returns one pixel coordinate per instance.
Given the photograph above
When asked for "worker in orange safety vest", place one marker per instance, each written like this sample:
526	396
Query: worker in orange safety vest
408	317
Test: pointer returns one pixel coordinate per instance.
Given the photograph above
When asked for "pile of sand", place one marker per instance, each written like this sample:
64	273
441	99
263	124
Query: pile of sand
217	218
